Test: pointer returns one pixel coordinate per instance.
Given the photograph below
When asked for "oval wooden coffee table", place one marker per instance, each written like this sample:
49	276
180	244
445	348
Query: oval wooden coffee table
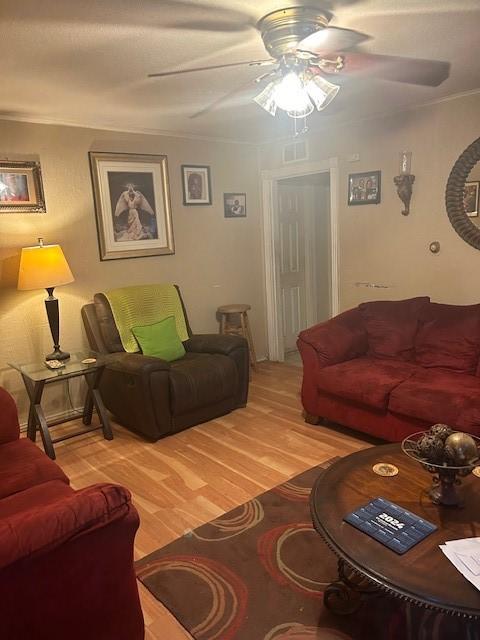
423	575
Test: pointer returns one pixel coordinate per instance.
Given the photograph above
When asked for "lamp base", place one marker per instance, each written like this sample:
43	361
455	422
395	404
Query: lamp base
58	354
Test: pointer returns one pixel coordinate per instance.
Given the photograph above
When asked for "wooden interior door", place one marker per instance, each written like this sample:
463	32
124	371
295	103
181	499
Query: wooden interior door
291	249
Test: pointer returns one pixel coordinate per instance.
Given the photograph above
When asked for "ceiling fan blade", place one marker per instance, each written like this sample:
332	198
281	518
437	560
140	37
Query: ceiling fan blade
213	105
429	73
200	16
252	63
216	26
331	40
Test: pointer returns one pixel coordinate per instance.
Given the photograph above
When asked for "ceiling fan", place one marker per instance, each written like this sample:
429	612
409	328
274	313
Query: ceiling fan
307	53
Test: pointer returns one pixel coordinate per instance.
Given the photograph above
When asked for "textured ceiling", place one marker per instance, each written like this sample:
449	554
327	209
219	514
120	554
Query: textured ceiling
87	62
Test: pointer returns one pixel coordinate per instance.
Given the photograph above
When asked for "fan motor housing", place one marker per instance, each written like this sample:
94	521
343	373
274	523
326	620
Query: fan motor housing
282	30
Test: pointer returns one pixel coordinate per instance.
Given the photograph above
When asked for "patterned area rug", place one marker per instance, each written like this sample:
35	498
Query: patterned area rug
259	572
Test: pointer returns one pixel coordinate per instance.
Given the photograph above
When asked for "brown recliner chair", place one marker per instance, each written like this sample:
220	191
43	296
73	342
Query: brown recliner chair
156	398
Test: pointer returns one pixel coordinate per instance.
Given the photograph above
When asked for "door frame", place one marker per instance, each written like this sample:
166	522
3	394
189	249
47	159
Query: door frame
270	179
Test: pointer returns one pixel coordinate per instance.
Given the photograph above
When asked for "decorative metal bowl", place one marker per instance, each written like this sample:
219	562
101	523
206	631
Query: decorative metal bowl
446	477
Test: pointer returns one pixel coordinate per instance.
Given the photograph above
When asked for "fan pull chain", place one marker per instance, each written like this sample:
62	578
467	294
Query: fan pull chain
297	130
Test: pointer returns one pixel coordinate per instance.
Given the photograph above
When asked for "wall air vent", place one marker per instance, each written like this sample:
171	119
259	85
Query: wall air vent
295	151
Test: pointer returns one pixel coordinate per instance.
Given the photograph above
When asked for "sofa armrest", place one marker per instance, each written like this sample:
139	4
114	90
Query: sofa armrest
134	363
235	348
41	529
215	343
9	427
339	339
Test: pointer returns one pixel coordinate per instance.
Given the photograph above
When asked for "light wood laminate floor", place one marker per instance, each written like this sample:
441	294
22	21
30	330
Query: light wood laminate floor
187	479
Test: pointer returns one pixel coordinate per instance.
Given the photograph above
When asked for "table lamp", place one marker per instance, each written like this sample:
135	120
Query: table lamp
45	267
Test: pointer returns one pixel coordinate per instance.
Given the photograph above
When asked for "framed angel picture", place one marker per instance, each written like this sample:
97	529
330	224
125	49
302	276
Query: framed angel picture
132	205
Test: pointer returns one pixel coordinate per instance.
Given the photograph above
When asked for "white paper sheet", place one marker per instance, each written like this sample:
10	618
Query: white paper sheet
464	554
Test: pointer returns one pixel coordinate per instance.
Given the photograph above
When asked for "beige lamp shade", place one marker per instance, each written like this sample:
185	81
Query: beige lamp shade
42	267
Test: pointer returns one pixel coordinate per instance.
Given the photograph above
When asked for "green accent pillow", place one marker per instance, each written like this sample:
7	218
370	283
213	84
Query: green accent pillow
160	340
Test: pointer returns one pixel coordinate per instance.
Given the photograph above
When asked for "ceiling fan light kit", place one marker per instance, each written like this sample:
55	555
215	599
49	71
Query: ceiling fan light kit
297	94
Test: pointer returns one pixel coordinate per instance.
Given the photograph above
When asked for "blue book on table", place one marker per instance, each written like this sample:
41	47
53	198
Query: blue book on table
393	526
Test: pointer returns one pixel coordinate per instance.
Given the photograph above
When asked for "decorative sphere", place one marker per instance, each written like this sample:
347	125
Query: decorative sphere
442	431
430	447
461	449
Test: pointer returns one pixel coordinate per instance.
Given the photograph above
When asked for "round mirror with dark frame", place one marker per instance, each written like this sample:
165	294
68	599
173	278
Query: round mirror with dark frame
462	195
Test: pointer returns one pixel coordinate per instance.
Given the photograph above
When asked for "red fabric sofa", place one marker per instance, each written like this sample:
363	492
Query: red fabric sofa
390	368
66	557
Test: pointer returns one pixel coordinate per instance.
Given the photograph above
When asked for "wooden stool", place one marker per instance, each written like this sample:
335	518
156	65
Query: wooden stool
228	326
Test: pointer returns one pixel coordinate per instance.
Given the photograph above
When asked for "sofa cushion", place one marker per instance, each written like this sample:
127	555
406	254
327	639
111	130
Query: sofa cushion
200	379
38	496
24	465
436	395
391	326
365	380
449	337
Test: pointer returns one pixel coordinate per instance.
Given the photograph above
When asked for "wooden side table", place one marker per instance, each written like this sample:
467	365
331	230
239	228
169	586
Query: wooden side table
36	375
228	313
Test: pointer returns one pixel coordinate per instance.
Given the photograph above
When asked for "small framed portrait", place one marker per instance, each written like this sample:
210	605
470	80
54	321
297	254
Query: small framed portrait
132	205
21	189
364	188
235	205
196	184
470	199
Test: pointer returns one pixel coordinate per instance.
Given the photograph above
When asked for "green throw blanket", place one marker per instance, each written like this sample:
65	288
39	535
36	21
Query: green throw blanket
145	304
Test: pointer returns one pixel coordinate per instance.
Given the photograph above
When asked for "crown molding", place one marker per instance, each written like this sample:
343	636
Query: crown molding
133	130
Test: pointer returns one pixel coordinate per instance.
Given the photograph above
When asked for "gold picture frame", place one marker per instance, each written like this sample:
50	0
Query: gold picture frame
132	205
21	188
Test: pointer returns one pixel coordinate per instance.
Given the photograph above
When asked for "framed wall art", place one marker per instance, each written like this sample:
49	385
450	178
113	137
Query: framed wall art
364	188
235	205
470	199
196	184
21	189
132	205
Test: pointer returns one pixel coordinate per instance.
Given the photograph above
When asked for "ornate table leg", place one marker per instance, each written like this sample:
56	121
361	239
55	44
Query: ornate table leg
346	595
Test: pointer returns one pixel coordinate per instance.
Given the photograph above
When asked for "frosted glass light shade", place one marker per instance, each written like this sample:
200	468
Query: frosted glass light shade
290	95
321	91
266	99
42	267
302	112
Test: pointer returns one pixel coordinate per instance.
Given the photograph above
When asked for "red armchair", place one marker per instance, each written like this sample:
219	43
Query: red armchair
66	557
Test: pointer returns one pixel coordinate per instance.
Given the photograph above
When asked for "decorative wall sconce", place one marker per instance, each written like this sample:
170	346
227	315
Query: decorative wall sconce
405	180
